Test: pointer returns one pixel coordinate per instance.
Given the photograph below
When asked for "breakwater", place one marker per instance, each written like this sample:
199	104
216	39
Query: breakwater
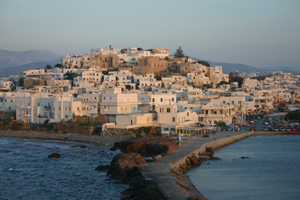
166	172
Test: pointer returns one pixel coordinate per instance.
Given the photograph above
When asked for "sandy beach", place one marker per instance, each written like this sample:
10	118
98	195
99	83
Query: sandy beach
106	141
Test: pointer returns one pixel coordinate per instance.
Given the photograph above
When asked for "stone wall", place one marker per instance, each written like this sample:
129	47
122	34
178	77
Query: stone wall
215	145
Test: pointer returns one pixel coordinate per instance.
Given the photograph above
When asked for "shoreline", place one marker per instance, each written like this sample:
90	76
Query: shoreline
164	173
175	185
104	141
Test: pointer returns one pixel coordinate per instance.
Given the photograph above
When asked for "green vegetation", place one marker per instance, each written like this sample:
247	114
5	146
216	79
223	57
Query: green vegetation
58	66
207	85
179	53
48	67
221	124
138	132
293	115
70	76
222	83
21	81
261	78
215	158
127	87
240	80
205	63
282	107
158	77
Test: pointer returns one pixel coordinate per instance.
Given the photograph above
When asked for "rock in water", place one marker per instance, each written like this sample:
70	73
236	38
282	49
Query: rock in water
102	167
244	157
54	155
123	163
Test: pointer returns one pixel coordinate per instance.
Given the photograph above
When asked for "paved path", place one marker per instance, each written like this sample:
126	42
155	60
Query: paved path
160	173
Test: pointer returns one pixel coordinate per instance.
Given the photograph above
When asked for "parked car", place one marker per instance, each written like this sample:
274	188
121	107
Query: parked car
232	128
282	129
246	124
265	123
275	129
265	128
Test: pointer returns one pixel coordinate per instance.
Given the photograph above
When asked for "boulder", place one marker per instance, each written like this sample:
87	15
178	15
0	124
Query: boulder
244	157
209	151
147	146
194	161
54	155
141	188
121	145
102	167
123	163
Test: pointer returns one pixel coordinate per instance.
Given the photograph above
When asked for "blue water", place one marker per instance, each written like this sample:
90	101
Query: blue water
26	172
271	172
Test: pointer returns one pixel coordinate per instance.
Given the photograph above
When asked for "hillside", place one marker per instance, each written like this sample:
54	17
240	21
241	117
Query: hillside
18	58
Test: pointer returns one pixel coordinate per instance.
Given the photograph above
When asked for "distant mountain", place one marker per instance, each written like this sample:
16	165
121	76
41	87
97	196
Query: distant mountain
284	69
17	58
18	69
234	67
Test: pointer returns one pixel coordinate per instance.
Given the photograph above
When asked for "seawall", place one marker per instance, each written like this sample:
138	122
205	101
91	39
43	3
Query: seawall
170	182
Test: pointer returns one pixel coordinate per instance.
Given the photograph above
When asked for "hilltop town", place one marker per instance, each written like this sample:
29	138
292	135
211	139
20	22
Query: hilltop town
121	90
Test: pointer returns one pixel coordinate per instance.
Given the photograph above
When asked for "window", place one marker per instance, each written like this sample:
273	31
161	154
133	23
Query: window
168	110
166	129
173	119
153	100
161	99
172	99
66	116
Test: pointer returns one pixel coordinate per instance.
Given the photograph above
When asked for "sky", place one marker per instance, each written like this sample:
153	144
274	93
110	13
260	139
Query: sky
254	32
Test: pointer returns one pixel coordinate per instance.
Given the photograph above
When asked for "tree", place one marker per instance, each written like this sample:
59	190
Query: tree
293	115
21	81
128	87
70	76
179	53
48	67
240	80
282	107
203	62
58	66
221	124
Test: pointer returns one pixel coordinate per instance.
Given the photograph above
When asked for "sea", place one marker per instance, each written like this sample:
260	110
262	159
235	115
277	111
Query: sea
271	171
26	172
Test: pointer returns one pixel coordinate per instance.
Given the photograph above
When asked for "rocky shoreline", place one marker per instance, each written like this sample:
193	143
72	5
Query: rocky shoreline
153	166
105	141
